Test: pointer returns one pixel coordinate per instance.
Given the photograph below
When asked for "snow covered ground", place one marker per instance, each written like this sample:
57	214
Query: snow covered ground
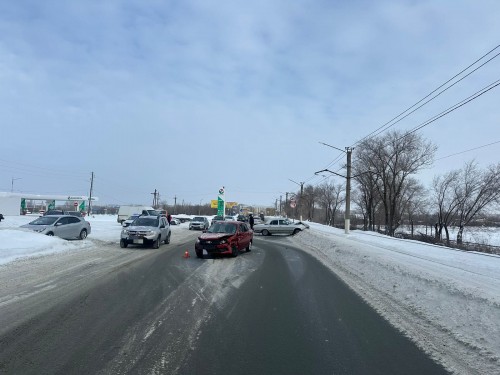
447	301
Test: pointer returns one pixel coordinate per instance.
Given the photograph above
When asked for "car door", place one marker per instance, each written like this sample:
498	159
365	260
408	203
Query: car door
284	227
163	229
243	238
73	227
61	228
273	226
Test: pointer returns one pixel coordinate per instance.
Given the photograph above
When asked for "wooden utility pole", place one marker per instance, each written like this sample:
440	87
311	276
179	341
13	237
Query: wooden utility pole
90	194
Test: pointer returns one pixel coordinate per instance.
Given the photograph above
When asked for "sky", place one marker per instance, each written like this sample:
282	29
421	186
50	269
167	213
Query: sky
415	286
188	96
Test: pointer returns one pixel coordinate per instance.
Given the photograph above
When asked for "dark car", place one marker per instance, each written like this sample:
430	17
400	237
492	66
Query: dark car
217	218
1	217
242	218
225	238
61	212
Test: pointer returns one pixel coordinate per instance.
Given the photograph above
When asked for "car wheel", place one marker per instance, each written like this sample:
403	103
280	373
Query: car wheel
265	232
83	234
249	246
50	234
156	244
296	230
123	244
167	240
235	252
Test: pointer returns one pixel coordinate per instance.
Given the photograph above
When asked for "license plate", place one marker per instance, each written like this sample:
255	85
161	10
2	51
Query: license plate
205	252
140	240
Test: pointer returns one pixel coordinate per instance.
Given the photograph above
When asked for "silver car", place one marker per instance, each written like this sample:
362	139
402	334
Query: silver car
199	222
64	226
144	230
279	226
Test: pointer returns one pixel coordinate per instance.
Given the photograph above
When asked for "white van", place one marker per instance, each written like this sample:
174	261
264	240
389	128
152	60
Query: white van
124	212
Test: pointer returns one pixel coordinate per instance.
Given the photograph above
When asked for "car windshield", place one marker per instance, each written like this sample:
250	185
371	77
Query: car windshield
45	220
222	228
198	219
145	222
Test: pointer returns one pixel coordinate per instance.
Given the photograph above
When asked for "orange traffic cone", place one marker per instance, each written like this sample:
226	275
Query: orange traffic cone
186	254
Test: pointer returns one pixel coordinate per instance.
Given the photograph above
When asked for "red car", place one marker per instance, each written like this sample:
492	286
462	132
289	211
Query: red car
225	237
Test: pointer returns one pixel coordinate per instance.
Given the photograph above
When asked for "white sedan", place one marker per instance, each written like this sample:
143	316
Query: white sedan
279	226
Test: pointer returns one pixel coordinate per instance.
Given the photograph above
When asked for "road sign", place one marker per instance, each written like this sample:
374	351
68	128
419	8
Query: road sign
75	204
293	204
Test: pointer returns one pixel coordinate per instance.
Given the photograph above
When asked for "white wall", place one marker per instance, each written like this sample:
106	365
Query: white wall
10	206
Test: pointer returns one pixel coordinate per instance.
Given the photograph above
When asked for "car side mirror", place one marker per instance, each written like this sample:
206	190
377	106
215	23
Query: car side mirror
58	224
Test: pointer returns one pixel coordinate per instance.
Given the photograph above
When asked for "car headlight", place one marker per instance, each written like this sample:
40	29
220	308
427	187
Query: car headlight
124	231
150	233
223	241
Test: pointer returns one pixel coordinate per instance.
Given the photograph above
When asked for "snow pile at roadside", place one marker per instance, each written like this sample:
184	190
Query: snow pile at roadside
447	301
19	243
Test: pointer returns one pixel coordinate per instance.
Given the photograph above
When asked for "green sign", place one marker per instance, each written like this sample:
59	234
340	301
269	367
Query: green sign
51	205
220	206
82	206
23	203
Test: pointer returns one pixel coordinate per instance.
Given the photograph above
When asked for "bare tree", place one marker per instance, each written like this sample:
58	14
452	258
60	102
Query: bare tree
446	200
367	197
330	197
393	158
412	201
308	198
477	190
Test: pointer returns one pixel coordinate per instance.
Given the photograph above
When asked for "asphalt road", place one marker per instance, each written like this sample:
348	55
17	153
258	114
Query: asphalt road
275	310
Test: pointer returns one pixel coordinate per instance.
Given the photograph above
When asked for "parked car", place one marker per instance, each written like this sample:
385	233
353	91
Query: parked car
130	220
217	218
62	212
225	237
199	222
146	230
279	226
242	218
64	226
125	211
175	222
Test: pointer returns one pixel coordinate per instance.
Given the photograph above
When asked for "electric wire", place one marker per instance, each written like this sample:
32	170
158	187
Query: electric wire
465	151
386	126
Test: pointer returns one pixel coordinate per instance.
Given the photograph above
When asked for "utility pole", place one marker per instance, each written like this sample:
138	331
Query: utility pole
301	184
347	217
347	214
175	205
155	198
90	194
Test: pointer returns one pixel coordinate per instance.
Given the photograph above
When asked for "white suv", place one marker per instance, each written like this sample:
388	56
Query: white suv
146	230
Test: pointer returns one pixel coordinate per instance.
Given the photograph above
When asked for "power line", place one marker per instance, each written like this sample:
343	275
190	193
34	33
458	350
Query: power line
471	149
386	126
454	107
